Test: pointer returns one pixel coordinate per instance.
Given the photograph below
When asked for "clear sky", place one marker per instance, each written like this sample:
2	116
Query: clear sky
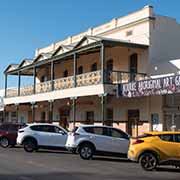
29	24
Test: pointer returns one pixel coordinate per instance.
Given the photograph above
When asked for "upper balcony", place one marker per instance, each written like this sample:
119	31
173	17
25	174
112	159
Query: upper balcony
86	66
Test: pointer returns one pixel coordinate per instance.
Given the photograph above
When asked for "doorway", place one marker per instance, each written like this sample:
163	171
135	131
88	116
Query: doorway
133	119
109	69
133	66
64	116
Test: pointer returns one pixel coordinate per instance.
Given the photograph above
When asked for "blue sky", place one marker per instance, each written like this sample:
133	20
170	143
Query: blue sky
27	25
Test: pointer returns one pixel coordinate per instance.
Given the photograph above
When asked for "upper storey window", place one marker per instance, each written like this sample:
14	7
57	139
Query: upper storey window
80	70
94	67
129	33
65	74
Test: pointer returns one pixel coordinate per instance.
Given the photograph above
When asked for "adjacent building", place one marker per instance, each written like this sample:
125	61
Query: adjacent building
82	79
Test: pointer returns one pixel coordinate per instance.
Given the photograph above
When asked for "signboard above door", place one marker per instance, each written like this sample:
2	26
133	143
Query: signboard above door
159	86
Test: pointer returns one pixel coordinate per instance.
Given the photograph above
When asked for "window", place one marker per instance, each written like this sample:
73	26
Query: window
13	128
94	67
109	117
43	116
4	127
167	137
90	117
95	130
177	138
44	78
65	73
36	128
118	133
133	66
129	33
44	128
109	69
80	70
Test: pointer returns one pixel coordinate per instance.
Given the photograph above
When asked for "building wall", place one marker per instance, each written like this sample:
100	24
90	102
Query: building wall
116	28
119	55
164	44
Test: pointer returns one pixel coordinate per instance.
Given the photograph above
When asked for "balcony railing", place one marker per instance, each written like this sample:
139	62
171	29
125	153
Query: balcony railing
118	77
86	79
91	78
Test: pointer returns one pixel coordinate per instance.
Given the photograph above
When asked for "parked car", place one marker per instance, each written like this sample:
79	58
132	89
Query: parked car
155	148
89	140
8	133
41	135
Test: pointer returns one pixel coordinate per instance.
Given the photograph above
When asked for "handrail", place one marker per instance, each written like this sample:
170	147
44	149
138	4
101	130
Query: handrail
85	79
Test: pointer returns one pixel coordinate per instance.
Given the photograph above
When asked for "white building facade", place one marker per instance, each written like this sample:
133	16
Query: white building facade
78	80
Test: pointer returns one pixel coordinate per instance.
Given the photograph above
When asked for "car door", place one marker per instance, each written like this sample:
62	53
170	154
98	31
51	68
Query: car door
120	141
12	133
177	139
98	136
168	146
58	136
40	132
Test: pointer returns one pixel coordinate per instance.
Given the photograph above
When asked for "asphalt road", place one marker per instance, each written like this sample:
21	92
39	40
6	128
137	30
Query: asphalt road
15	164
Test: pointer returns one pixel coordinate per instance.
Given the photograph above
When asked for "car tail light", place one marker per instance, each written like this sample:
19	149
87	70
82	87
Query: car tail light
137	141
20	131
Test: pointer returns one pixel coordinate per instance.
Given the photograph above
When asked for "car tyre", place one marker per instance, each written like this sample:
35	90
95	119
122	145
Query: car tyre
86	151
4	142
30	145
148	161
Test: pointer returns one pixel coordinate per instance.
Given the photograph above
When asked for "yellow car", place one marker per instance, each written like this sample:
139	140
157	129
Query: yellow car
155	148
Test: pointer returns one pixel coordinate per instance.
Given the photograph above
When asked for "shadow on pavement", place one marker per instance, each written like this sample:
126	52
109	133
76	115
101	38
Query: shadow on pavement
54	176
111	159
168	169
53	151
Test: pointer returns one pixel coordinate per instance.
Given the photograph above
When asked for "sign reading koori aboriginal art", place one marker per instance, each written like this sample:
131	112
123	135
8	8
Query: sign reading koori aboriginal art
159	86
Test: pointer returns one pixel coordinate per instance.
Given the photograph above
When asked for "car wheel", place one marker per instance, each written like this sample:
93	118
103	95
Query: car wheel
148	161
86	151
4	142
29	145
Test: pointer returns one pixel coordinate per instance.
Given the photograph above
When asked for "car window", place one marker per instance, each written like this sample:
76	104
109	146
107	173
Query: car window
118	133
177	138
50	129
167	137
95	130
4	127
13	127
36	128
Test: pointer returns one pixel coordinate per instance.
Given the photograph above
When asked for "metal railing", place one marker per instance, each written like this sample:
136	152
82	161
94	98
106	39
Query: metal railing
86	79
91	78
118	77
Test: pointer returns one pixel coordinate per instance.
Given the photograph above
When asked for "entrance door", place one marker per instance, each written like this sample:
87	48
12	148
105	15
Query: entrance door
30	119
133	118
64	116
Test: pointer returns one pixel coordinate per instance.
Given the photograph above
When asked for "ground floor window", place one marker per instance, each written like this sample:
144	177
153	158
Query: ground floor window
109	117
90	117
14	117
43	117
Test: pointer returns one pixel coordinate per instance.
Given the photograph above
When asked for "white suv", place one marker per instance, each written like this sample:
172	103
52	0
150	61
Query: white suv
41	135
88	140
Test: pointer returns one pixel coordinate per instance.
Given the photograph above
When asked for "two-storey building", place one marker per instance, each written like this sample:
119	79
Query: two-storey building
77	80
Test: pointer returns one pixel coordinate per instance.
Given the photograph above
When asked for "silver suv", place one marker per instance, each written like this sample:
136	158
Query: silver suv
88	140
